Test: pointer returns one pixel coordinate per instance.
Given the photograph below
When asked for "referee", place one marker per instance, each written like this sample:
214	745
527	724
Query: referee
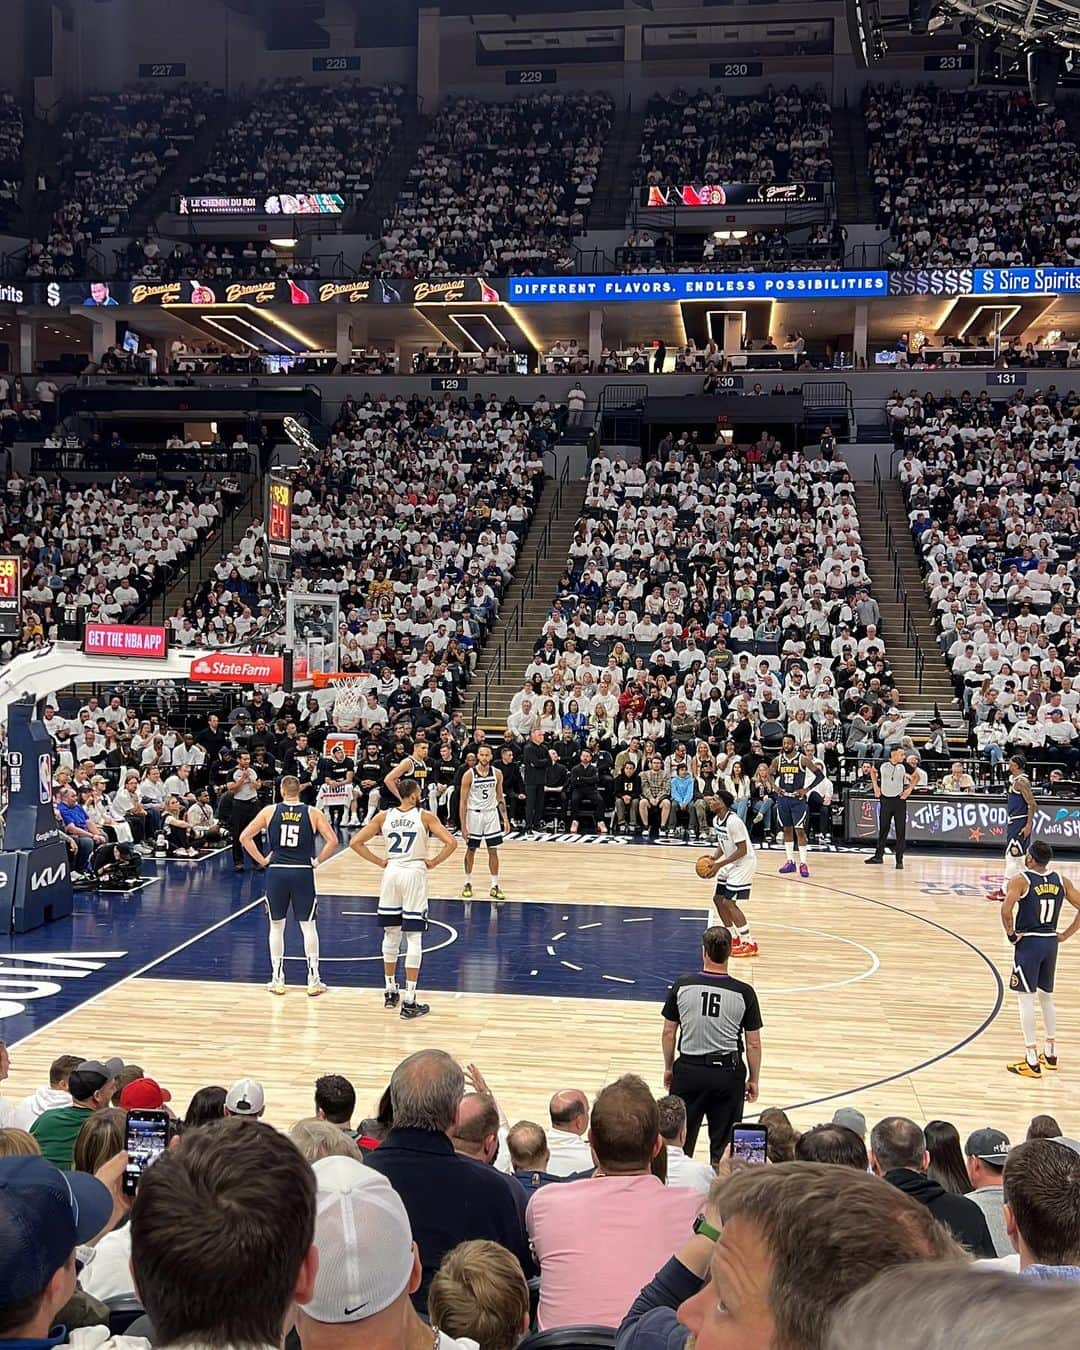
710	1015
892	787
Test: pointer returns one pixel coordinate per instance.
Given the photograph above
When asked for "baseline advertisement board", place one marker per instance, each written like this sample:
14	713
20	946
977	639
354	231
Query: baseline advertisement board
975	821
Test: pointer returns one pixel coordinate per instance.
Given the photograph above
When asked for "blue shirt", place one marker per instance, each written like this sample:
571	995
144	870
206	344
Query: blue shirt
74	815
682	789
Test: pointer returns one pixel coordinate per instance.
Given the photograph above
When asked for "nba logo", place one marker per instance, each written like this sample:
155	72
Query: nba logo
45	778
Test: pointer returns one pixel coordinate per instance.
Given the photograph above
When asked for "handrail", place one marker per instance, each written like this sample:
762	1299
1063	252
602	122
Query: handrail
515	621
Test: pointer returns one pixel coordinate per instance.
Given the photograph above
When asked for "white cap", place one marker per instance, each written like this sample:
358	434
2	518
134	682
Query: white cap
245	1098
364	1241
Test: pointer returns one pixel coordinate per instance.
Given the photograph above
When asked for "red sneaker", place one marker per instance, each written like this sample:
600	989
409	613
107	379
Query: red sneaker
745	949
996	896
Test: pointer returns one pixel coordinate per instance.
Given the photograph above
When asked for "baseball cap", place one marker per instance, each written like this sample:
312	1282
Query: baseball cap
989	1146
364	1240
143	1094
245	1098
44	1215
92	1075
851	1120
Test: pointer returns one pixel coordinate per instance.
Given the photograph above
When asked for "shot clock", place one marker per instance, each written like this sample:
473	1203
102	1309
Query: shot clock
10	597
279	518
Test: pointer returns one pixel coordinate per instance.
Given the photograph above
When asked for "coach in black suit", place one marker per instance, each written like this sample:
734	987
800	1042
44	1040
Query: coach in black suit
536	765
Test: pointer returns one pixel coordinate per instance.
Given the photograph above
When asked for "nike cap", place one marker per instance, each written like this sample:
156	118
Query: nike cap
364	1240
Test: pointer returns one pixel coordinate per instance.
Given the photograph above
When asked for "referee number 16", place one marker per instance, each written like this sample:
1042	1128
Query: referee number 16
710	1003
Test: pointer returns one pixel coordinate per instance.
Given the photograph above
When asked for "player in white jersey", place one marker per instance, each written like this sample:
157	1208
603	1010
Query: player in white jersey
403	892
483	819
735	863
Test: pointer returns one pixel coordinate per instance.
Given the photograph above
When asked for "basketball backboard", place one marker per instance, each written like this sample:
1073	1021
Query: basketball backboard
311	634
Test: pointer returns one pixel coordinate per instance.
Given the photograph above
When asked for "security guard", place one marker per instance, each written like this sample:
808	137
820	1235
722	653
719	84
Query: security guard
711	1014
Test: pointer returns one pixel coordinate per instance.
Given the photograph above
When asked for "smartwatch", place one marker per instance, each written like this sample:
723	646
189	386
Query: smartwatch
705	1229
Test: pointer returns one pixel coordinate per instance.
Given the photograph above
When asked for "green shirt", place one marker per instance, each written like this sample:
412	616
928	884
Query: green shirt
56	1132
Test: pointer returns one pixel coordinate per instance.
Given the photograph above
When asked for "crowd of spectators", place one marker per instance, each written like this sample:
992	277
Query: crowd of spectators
965	176
435	1212
293	136
498	187
11	148
114	150
992	501
778	136
413	515
97	552
714	601
146	260
775	248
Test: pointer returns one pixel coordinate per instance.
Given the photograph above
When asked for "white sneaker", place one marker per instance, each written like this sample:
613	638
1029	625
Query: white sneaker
315	987
276	986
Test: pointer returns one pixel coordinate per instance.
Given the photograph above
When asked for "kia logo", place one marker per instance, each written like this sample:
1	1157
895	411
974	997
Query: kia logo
49	877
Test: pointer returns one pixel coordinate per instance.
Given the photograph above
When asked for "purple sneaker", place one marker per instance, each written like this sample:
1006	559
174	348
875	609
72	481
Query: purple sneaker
789	866
804	871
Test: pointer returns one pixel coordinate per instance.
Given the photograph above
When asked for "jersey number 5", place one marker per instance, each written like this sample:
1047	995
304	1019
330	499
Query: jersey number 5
401	843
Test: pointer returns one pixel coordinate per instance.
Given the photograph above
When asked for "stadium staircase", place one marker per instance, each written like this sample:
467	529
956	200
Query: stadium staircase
854	194
41	152
378	204
910	637
508	650
178	177
615	181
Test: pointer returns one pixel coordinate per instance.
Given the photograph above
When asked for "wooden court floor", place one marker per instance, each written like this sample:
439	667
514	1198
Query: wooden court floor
880	989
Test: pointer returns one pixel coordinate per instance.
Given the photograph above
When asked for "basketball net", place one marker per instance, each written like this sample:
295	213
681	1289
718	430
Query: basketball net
348	696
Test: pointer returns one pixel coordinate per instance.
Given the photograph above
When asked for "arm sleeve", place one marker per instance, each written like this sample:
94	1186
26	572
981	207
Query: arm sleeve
671	1004
651	1322
752	1015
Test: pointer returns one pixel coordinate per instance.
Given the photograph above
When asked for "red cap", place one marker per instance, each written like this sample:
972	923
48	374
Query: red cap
143	1094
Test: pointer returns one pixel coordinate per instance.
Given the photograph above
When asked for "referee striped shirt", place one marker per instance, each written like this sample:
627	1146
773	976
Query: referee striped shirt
712	1011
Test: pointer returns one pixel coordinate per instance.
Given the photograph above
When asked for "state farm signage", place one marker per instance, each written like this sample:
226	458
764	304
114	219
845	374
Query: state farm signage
226	668
123	639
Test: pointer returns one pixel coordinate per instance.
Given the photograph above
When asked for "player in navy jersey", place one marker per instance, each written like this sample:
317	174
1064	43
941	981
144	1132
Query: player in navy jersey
792	776
1030	916
1020	808
291	828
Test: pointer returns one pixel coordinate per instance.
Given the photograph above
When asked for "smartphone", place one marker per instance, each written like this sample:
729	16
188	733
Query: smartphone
750	1142
146	1136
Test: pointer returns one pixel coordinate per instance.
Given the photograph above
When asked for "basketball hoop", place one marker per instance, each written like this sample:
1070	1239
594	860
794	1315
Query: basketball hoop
348	696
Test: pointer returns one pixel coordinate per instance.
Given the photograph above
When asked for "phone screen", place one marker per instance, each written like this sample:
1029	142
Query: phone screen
748	1142
146	1135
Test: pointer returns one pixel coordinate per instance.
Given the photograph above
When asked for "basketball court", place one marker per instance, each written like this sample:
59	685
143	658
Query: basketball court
881	990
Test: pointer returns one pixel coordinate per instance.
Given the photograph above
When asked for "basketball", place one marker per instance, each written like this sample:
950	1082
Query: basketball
704	866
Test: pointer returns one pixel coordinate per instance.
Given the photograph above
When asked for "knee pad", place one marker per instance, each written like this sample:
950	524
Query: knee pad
413	949
391	943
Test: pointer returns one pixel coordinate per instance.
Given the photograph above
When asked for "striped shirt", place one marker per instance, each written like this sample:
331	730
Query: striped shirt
712	1011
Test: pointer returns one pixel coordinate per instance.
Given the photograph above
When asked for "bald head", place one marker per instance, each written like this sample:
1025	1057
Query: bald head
528	1147
569	1110
476	1130
425	1091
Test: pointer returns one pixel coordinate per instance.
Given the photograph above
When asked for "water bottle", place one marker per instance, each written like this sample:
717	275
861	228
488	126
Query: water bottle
161	848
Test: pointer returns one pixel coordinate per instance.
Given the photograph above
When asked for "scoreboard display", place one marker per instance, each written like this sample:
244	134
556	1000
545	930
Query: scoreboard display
279	517
10	597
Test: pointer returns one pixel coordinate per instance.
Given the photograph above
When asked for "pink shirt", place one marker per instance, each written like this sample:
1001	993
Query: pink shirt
599	1241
